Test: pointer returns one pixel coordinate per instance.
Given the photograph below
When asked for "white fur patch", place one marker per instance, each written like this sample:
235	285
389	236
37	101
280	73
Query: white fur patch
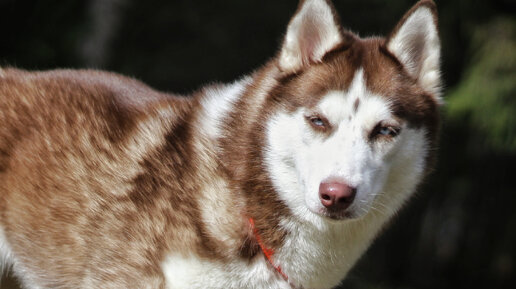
178	271
189	271
217	102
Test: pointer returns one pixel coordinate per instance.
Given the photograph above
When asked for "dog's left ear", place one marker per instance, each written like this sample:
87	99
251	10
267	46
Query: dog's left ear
415	42
313	31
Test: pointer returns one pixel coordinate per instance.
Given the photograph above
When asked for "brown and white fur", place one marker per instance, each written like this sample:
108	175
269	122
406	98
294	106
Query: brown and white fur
106	183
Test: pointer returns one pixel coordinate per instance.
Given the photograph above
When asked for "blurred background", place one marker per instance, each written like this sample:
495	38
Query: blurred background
459	231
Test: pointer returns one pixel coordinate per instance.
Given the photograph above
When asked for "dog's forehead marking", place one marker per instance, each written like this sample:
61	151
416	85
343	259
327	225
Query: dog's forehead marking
356	102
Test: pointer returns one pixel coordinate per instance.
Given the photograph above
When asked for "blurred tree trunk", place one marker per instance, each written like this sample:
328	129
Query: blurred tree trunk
105	18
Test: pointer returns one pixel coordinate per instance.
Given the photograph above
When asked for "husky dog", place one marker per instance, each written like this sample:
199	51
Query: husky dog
279	180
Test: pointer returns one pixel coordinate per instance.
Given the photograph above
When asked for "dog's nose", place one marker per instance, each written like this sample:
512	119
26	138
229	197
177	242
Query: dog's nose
336	196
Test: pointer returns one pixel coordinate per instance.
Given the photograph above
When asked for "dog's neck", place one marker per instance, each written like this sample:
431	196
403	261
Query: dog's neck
323	253
267	252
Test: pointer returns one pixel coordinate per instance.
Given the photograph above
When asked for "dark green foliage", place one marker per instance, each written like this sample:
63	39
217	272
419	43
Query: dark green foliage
486	97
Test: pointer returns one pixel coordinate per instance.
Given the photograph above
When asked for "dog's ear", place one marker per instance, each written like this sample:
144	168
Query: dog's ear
415	42
312	32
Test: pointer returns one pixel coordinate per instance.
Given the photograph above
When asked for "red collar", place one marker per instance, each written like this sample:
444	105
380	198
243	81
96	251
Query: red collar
268	252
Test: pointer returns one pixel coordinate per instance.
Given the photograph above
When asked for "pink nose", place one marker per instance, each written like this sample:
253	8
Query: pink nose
336	196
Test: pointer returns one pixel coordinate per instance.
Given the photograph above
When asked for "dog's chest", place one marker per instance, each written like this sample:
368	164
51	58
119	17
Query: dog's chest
319	257
189	271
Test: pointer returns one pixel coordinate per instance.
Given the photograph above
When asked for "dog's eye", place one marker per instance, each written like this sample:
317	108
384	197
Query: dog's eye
318	122
388	131
385	130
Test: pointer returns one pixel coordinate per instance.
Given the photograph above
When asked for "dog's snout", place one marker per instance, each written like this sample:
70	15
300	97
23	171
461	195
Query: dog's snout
336	196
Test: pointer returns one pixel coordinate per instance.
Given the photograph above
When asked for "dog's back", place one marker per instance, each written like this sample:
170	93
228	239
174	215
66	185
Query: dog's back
73	151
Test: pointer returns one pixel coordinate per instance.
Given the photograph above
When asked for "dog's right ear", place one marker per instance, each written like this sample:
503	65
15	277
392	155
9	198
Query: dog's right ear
312	32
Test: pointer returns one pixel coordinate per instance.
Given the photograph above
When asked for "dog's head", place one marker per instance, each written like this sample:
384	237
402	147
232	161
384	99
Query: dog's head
355	120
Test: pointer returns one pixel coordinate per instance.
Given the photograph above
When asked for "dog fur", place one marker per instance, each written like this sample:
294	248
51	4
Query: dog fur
107	183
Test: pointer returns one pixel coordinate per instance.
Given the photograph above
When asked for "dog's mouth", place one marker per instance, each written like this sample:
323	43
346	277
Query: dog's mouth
337	215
